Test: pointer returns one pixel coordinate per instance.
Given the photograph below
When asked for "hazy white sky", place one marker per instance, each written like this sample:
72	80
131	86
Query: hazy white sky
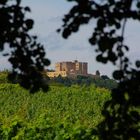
48	15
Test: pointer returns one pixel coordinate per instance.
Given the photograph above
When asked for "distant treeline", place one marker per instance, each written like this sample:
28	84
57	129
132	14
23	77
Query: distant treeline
101	81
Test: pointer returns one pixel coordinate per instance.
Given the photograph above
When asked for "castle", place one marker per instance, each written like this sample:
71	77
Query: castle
69	69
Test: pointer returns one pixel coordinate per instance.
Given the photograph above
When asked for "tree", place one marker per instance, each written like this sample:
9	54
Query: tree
122	115
105	77
27	56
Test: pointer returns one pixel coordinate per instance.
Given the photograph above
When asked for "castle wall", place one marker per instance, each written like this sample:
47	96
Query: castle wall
56	74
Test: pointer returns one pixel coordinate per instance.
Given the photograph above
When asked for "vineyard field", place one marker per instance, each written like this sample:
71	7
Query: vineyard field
61	113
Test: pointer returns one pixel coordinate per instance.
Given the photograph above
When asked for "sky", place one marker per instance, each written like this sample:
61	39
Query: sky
48	15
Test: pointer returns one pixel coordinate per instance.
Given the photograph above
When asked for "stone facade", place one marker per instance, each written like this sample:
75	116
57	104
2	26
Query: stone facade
68	69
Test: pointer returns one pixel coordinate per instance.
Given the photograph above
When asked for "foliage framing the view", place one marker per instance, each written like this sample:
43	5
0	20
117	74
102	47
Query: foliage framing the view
27	56
122	115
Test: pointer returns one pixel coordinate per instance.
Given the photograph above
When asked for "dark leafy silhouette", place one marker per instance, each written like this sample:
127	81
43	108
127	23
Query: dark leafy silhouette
122	114
27	56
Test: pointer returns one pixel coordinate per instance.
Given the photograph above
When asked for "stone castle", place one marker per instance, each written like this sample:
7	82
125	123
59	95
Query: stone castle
69	69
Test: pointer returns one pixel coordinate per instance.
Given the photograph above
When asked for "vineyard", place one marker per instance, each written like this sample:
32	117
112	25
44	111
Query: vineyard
60	114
